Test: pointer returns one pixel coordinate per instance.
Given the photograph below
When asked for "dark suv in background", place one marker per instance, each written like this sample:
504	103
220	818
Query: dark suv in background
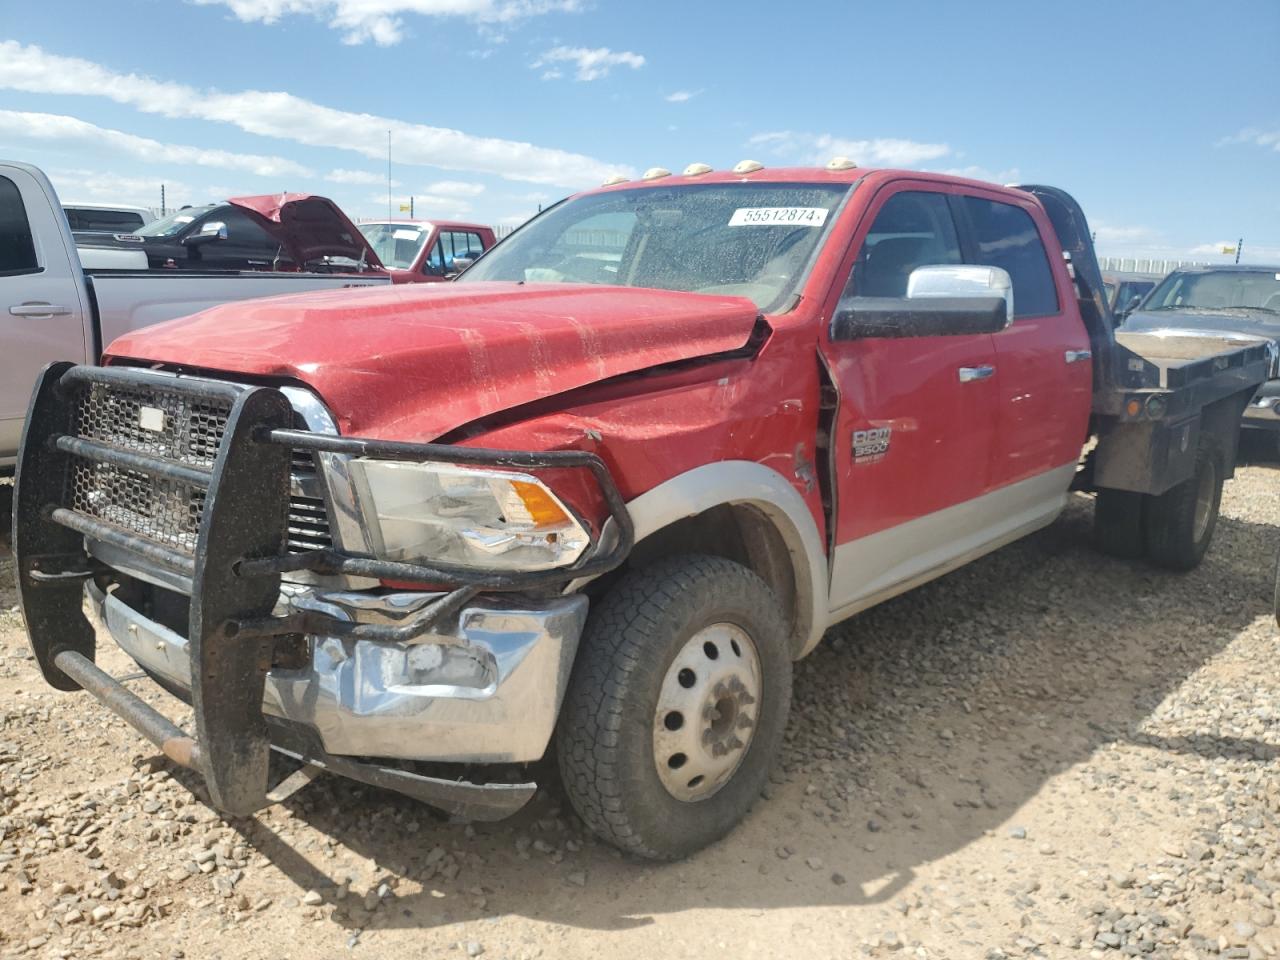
1242	300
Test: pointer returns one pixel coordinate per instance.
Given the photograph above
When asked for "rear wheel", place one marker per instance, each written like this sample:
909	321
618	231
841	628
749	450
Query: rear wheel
6	513
677	705
1117	523
1277	594
1179	523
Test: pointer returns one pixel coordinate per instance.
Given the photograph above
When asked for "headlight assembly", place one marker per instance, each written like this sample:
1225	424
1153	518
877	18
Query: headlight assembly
459	516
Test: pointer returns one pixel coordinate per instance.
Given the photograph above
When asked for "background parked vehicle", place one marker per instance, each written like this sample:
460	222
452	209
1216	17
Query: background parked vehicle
426	251
617	479
277	232
1125	290
105	218
52	309
1238	300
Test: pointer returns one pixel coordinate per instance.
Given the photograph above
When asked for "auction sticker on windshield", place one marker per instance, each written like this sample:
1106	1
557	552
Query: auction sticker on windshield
778	216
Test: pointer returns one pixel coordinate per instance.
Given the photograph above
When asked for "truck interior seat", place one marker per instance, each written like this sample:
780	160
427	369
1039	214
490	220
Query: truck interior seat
887	265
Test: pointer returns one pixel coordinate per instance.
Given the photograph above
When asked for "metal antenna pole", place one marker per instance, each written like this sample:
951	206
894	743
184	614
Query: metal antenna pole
388	174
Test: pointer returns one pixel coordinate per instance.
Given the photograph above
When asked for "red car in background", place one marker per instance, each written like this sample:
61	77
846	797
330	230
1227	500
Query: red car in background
426	251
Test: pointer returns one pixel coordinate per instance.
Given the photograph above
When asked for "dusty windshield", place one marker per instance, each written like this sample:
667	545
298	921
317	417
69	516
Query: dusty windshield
753	240
1242	290
396	244
173	223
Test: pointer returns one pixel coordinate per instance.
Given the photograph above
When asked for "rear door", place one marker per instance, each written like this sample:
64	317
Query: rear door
42	299
915	429
1046	374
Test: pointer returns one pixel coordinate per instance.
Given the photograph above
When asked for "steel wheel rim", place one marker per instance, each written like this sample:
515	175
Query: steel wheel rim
708	707
1204	499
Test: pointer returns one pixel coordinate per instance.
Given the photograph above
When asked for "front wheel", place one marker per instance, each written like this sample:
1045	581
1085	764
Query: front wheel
677	705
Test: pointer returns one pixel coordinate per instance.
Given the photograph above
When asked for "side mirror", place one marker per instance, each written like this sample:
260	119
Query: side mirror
941	301
459	264
209	231
1131	306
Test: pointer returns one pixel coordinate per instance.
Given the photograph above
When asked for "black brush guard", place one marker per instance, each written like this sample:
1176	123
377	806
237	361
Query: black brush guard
235	572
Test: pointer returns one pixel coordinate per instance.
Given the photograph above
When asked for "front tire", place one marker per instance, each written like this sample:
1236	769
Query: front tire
677	705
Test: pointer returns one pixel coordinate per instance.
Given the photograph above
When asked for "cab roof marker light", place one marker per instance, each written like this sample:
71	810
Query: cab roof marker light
656	173
697	169
840	163
747	166
616	178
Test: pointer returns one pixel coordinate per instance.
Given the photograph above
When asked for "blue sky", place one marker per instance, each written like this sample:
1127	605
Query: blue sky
1162	118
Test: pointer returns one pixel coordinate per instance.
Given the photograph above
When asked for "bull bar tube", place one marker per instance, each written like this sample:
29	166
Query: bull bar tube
235	569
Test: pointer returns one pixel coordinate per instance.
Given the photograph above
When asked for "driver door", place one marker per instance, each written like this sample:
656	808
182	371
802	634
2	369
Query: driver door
915	428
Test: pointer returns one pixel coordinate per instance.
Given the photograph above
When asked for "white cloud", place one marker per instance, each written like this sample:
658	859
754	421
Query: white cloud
359	177
590	64
1252	253
818	148
382	21
56	128
283	115
87	186
1268	139
425	207
432	206
681	96
455	188
1114	235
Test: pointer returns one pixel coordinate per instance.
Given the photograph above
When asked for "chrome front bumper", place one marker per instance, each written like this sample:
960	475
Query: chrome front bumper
486	691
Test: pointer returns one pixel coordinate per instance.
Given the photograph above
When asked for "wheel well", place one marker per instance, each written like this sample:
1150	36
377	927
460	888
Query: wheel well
739	532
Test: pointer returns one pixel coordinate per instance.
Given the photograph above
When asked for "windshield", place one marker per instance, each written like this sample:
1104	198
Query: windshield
752	240
1217	290
396	244
173	223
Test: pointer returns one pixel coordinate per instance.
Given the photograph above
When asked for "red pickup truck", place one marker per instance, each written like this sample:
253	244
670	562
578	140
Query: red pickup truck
600	493
426	251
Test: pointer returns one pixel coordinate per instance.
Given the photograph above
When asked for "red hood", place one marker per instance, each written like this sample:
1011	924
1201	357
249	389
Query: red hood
414	362
309	227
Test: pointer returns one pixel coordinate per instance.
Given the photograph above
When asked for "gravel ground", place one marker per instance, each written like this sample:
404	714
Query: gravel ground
1048	753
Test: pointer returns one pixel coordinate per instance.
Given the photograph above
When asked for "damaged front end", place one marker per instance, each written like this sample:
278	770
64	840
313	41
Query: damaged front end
211	528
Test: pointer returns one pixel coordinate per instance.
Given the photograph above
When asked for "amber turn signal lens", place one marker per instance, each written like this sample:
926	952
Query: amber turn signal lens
542	507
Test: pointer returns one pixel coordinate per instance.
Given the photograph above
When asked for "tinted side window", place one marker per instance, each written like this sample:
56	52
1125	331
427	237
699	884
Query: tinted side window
434	264
17	247
1007	237
244	234
106	221
913	229
460	244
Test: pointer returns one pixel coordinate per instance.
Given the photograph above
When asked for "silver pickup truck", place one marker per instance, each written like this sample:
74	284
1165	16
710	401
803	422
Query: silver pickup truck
53	308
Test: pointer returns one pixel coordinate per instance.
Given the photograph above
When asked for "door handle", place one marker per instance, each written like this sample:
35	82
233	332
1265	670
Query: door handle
1074	356
970	374
39	310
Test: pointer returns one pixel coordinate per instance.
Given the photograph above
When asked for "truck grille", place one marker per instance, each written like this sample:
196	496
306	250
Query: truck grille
190	432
